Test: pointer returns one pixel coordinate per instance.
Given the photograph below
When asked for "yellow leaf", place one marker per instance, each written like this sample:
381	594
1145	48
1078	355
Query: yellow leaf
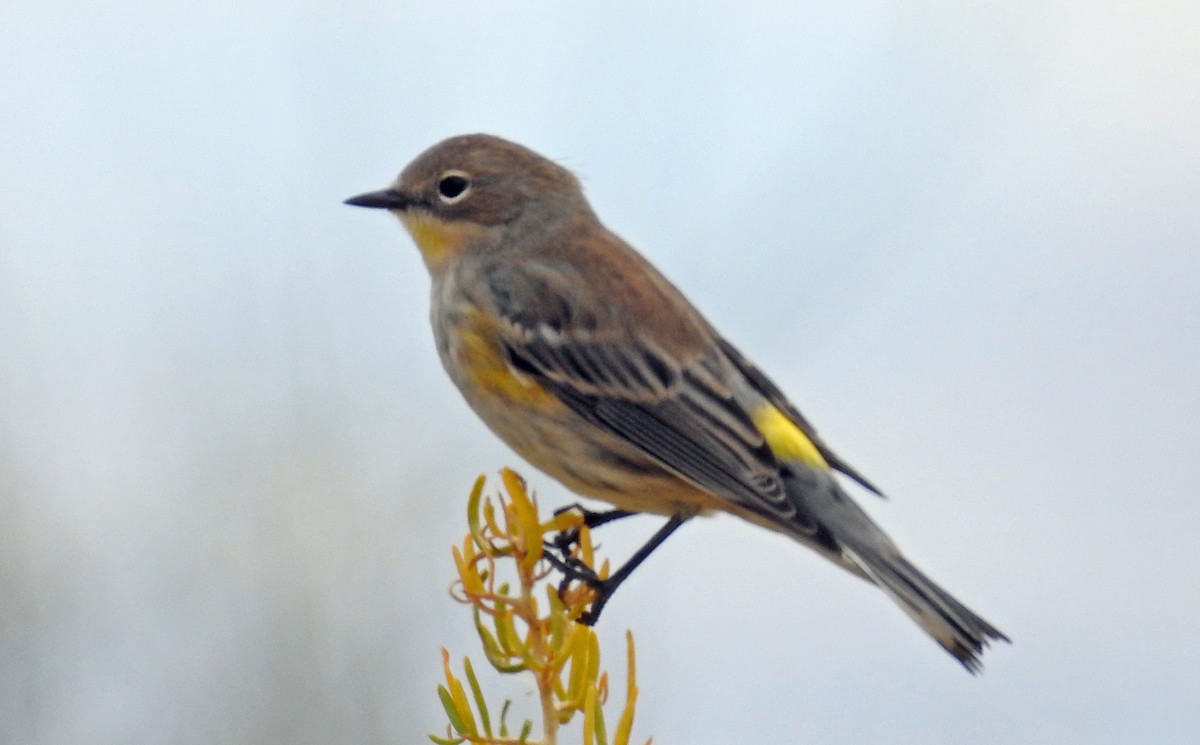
527	527
589	716
625	724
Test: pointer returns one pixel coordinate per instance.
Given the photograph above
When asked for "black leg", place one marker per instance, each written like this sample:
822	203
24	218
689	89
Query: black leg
605	588
564	540
596	519
592	518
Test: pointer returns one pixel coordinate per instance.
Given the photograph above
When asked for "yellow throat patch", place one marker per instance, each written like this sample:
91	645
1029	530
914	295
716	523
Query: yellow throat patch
438	240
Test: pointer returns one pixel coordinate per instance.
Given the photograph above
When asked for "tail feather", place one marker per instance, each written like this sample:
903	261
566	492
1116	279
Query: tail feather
845	534
959	630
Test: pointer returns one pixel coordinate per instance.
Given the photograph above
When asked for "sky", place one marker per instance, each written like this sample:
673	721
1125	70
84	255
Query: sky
962	237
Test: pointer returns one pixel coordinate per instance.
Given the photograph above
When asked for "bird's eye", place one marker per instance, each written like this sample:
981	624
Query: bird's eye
453	186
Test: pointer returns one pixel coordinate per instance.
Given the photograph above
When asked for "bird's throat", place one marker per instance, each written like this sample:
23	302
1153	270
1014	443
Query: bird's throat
439	241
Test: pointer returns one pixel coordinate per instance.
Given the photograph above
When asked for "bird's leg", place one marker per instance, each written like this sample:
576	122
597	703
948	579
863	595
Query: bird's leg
565	539
594	518
606	587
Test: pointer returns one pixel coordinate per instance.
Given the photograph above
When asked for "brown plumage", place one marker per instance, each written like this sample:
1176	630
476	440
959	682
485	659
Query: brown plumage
596	369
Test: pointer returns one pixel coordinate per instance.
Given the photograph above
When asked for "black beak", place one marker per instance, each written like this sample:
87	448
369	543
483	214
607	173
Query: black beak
386	199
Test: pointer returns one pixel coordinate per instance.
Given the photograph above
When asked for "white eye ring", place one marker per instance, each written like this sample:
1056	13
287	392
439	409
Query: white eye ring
453	187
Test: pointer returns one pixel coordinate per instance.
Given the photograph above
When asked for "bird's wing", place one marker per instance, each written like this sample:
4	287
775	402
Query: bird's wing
677	409
771	392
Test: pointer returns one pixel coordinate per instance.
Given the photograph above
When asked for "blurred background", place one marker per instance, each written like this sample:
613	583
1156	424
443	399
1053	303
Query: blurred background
963	237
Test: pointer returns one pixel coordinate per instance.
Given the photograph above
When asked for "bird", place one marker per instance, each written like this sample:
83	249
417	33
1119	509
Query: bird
581	356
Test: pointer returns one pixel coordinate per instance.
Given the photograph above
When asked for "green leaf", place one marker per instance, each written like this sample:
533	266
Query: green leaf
491	648
451	710
478	696
504	717
601	731
473	514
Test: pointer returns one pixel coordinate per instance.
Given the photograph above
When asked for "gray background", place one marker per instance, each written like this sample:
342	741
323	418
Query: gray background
962	236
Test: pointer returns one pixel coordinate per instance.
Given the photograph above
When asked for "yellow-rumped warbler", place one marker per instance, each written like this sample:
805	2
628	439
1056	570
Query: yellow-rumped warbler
596	369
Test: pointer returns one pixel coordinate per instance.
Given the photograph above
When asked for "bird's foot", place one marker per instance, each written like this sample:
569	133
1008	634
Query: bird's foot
574	570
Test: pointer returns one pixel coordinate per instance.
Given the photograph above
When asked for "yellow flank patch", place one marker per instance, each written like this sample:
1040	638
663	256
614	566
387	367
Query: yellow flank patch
490	372
784	438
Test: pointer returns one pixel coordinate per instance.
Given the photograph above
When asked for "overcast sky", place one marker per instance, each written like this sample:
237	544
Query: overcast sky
965	238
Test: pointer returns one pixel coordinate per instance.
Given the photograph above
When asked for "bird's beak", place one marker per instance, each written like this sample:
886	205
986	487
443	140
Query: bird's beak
386	199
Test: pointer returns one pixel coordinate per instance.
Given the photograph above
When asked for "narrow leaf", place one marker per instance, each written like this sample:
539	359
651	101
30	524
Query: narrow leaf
451	710
477	693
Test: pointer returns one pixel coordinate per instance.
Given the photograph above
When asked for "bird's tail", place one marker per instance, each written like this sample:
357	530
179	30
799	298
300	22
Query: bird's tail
959	630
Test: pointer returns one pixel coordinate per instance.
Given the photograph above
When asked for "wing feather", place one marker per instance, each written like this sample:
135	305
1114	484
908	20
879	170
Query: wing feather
678	411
